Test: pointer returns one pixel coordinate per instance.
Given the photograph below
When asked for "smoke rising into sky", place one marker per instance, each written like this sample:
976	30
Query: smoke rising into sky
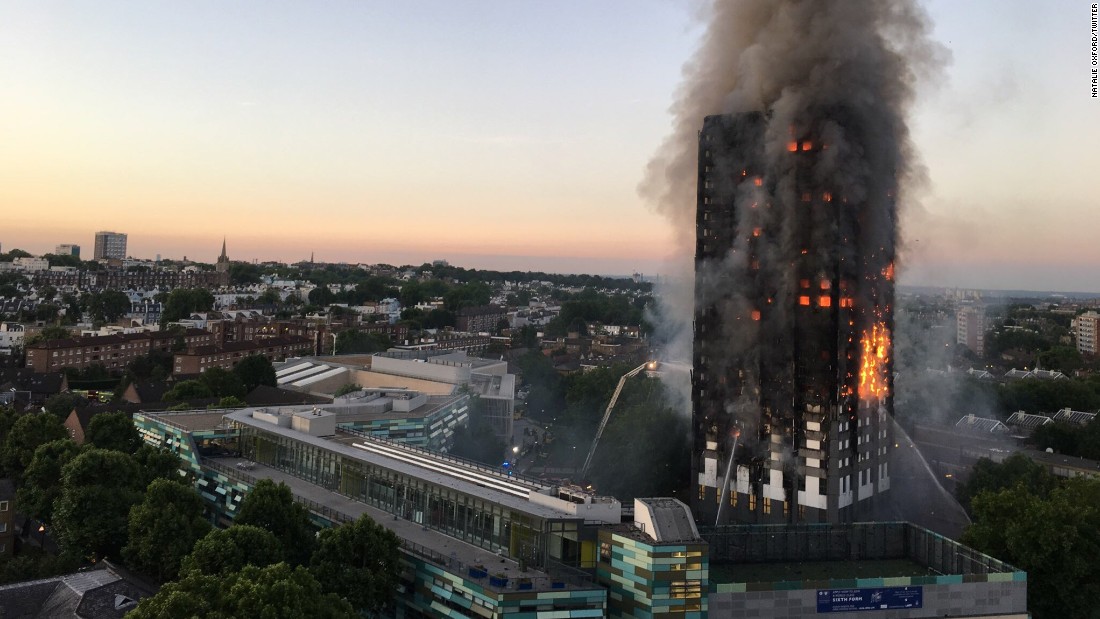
856	64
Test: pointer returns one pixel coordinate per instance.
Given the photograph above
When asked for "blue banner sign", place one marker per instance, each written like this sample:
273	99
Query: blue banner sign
885	598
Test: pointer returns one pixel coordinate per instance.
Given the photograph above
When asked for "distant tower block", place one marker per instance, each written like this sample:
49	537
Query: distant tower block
111	245
792	383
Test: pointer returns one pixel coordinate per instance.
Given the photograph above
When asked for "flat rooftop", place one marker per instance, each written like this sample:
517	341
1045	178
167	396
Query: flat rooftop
456	555
510	491
445	357
815	570
358	408
192	421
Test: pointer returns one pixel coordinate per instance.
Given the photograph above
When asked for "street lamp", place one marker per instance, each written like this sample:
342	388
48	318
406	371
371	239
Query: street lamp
333	344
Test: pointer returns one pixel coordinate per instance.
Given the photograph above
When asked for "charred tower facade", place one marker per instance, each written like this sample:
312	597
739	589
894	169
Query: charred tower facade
792	380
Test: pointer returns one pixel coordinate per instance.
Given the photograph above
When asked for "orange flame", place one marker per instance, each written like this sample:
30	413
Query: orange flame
873	363
888	272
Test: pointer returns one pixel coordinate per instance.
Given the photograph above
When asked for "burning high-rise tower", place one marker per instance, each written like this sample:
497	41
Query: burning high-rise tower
797	171
792	371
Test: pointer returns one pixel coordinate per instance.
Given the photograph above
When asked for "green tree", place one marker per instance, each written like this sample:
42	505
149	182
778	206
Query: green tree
41	486
98	488
230	401
157	463
107	305
1017	469
223	383
255	370
243	273
49	334
8	417
271	592
47	292
47	312
13	254
164	528
1054	538
224	551
188	390
271	296
360	562
33	563
352	341
411	294
182	302
643	428
322	296
63	260
272	507
113	431
472	294
62	404
26	435
154	366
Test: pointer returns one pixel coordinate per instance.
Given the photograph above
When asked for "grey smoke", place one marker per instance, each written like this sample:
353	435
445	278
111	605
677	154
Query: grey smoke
797	61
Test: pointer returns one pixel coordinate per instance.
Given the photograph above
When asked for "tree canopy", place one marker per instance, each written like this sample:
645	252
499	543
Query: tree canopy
272	507
223	383
255	370
113	431
1053	537
224	551
271	592
163	529
1017	469
41	485
643	428
186	390
355	341
182	302
61	405
360	562
26	435
106	306
98	488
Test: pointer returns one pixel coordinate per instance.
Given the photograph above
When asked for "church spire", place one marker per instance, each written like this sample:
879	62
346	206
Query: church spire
223	260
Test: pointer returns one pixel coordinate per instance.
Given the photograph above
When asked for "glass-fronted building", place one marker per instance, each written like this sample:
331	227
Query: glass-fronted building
524	519
476	541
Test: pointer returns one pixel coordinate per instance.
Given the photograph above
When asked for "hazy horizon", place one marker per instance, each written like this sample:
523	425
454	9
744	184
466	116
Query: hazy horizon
507	137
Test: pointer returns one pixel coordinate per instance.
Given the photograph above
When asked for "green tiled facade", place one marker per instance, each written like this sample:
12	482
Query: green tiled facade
653	580
222	493
432	431
432	591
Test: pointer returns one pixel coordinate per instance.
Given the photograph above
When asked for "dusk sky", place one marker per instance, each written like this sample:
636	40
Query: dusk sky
508	135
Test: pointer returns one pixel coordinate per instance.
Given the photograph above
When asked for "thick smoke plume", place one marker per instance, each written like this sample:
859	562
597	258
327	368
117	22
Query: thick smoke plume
800	63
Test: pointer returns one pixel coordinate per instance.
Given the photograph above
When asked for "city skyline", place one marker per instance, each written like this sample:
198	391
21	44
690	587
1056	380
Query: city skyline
508	137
